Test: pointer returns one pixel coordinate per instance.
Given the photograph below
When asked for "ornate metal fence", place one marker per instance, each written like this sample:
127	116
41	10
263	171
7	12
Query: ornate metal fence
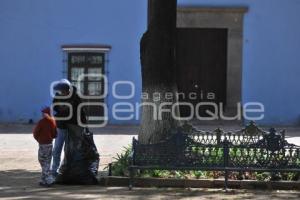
249	149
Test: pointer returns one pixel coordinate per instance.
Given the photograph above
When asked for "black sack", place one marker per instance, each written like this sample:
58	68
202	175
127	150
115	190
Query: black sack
81	161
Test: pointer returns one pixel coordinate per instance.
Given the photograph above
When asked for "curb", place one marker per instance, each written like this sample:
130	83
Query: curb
116	181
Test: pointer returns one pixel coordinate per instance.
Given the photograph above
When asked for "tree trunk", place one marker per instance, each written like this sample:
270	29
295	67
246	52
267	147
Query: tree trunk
158	71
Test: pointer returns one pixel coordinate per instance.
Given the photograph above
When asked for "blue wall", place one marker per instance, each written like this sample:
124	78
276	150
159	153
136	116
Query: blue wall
31	35
32	32
271	56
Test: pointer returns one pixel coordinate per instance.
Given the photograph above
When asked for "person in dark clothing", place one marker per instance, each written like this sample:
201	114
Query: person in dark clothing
64	111
61	112
81	161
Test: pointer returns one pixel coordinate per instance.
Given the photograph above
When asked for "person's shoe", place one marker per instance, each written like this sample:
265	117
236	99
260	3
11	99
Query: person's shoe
44	184
54	174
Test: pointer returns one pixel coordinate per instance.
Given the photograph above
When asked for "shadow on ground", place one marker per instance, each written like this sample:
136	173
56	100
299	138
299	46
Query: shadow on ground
22	184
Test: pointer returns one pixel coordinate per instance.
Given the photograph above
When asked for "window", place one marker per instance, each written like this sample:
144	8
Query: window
84	67
91	64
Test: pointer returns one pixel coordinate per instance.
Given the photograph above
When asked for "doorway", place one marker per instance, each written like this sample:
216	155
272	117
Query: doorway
201	67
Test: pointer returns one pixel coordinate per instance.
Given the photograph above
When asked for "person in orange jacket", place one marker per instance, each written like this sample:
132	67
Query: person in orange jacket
44	133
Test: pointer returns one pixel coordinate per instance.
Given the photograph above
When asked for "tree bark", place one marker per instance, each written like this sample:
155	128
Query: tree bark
158	46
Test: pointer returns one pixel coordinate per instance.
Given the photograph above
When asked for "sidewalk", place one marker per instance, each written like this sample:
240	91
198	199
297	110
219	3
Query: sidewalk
19	151
22	184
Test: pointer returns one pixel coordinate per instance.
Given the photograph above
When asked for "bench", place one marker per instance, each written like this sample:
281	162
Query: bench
248	150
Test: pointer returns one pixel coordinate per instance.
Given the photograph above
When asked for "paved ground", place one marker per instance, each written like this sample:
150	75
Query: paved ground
18	149
25	188
21	184
19	170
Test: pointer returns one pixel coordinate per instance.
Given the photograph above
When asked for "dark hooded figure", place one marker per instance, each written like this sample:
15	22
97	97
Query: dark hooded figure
81	161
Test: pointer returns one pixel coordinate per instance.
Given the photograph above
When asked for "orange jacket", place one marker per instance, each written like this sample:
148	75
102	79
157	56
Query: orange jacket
45	130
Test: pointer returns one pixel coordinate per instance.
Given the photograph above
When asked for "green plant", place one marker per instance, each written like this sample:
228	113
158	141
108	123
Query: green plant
263	176
155	173
291	176
198	174
120	166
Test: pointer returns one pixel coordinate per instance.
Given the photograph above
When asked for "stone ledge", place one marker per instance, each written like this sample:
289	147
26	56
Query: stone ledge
199	183
241	10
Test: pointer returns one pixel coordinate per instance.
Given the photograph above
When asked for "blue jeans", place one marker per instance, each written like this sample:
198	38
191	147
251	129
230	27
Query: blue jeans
57	149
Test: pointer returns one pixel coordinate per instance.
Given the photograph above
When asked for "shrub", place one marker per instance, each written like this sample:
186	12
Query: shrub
120	166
